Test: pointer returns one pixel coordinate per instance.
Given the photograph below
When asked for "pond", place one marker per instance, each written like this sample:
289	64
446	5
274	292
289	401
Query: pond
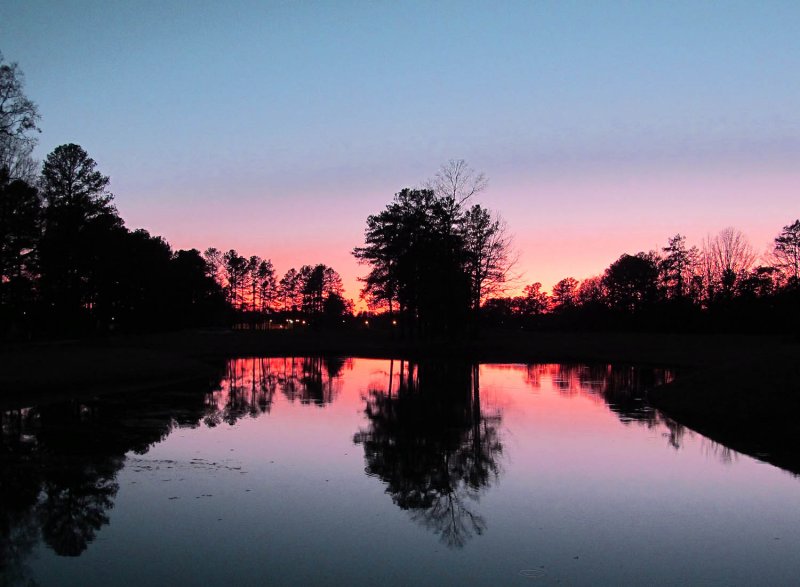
310	471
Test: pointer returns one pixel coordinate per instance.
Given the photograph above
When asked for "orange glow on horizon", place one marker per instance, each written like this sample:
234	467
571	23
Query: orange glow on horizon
562	226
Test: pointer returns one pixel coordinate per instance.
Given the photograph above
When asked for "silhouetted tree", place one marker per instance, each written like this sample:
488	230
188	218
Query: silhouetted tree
78	218
71	183
20	229
267	288
787	251
234	267
565	294
312	288
290	290
678	266
130	277
455	184
18	119
434	258
254	288
213	259
196	297
424	257
534	301
727	257
631	282
591	292
759	283
331	282
334	308
382	249
488	253
317	284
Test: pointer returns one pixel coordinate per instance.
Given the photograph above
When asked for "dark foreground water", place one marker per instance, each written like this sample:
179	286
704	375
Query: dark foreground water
375	472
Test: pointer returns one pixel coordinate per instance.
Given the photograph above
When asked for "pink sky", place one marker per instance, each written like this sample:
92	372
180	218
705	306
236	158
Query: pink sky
277	128
567	225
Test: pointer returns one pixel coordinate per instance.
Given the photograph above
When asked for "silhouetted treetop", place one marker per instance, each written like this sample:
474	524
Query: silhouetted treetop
787	251
632	281
70	180
19	117
432	258
18	114
565	293
456	182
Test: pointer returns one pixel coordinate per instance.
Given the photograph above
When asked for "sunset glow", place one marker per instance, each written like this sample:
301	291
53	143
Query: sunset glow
596	140
399	293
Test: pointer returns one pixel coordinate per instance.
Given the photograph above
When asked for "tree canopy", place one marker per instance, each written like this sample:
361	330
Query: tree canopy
433	258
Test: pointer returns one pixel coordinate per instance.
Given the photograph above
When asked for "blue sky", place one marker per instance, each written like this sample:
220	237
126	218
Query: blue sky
277	127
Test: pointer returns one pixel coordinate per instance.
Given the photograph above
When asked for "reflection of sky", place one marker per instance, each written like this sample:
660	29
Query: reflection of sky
276	128
284	498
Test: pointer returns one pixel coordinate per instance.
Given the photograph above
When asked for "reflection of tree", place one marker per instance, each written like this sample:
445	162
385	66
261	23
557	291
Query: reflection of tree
621	387
75	498
433	446
61	473
58	466
19	489
19	533
248	389
320	380
249	386
59	462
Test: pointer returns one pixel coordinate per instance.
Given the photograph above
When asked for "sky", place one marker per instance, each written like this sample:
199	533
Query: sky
276	128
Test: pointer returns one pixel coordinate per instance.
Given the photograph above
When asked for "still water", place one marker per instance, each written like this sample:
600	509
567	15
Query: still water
297	471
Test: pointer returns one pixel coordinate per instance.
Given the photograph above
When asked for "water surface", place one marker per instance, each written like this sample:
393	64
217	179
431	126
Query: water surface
354	471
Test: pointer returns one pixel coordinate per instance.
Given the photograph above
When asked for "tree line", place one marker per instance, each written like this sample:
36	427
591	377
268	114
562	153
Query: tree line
439	263
721	285
69	265
251	287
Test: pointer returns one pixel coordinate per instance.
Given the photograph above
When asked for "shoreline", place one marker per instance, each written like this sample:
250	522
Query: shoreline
105	364
738	390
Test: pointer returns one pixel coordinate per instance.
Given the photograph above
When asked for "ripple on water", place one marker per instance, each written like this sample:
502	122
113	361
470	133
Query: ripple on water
532	573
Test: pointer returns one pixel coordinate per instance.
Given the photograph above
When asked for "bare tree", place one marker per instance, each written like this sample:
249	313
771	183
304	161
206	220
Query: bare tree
458	181
454	184
488	244
18	118
727	257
